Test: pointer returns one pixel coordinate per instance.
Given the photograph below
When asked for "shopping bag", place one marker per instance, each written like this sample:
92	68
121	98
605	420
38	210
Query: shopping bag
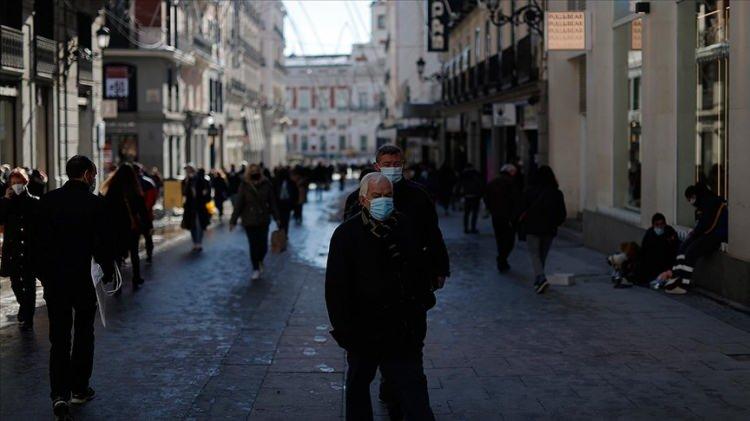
211	208
97	275
278	241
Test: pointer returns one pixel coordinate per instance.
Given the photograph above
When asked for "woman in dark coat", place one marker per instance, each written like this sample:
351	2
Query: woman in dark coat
543	211
196	192
287	194
18	211
256	205
126	209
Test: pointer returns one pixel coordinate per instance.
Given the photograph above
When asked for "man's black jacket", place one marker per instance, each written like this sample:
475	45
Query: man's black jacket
411	199
72	229
377	303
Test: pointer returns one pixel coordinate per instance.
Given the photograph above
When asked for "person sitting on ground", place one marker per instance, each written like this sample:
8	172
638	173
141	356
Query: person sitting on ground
658	249
625	264
378	291
711	229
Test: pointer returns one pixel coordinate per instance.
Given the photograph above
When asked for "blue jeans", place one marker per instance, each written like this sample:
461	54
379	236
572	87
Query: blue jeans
197	231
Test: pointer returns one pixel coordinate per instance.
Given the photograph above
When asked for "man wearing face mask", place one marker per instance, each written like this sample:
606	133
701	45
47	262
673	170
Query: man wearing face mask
658	249
378	291
72	229
18	214
711	229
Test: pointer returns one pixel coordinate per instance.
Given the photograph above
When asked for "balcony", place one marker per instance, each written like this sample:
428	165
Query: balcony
85	69
203	45
252	13
11	48
278	66
252	53
493	70
481	76
237	86
526	67
508	68
472	74
45	53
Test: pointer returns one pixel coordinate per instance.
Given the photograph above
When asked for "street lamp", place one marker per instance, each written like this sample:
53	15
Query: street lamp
531	14
420	70
102	37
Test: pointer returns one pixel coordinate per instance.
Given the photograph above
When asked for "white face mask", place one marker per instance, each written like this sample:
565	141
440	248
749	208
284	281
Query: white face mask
18	189
394	174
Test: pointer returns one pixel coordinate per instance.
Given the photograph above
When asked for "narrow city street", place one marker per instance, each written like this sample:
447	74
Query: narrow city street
200	341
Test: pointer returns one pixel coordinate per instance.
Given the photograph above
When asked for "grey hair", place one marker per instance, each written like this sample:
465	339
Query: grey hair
508	168
373	177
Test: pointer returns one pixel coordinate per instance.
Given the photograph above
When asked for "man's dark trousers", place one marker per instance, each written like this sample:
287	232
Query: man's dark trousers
71	362
471	211
505	237
406	380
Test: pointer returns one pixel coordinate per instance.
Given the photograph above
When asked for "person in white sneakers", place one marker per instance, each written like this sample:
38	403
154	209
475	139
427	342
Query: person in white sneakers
255	205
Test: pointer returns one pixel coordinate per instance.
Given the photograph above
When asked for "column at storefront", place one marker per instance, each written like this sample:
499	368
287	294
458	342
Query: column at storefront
739	130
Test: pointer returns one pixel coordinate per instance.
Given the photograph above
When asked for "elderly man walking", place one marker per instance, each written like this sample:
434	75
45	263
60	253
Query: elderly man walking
378	293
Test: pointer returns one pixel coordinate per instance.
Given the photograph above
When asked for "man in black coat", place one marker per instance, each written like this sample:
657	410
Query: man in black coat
378	292
502	199
658	249
18	213
72	230
410	199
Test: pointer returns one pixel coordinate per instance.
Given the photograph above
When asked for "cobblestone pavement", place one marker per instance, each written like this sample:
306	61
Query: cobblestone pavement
200	341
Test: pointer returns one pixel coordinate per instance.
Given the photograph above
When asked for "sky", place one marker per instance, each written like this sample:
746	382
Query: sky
325	26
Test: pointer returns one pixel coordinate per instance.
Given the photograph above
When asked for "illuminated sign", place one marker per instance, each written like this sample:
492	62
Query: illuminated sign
636	34
437	23
565	31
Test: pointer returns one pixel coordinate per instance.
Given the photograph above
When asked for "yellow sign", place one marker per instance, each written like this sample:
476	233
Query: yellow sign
172	194
565	30
636	34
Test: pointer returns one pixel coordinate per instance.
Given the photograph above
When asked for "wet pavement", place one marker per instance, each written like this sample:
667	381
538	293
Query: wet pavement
200	341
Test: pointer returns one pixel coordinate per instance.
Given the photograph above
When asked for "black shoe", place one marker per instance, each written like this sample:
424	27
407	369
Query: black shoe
503	267
27	325
541	286
61	409
149	259
81	398
19	317
137	282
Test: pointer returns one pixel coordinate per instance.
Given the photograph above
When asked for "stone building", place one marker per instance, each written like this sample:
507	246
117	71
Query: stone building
50	83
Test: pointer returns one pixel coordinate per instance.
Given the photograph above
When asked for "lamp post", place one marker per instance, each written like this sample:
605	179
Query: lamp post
102	37
531	14
213	131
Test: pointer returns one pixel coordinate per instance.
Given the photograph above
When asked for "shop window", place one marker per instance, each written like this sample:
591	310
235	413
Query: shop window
712	69
120	85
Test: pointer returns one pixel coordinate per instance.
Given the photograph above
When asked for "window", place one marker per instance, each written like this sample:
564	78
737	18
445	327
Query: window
477	45
363	143
215	96
304	143
120	84
342	99
304	99
324	98
342	142
323	144
381	21
712	61
362	100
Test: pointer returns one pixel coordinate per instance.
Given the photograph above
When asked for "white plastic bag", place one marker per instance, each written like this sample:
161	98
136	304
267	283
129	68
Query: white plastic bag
97	275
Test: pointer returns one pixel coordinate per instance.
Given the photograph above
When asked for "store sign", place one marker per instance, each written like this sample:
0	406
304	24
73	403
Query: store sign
437	23
565	31
109	108
503	114
636	34
120	85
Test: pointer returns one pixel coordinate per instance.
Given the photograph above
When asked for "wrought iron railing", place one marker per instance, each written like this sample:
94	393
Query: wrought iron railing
508	68
45	53
11	47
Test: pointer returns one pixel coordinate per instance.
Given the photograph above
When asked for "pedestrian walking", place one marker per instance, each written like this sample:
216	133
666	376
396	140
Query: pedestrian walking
472	189
299	177
127	216
150	190
72	230
287	194
501	199
19	211
410	199
378	290
446	180
220	185
543	211
196	192
256	205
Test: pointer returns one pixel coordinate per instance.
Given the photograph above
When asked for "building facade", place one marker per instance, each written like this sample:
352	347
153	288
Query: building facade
658	102
413	94
50	83
493	89
193	82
